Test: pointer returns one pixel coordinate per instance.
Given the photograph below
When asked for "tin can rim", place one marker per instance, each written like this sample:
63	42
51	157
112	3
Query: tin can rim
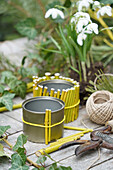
43	97
57	81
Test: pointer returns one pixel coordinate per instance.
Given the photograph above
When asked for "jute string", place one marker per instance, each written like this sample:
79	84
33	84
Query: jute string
99	106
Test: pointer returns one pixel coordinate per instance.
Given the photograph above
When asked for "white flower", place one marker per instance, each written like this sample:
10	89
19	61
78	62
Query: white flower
81	23
90	1
81	19
84	4
93	27
104	10
80	38
54	13
96	5
80	15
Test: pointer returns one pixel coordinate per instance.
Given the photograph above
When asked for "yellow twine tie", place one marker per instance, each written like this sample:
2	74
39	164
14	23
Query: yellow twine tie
68	107
38	125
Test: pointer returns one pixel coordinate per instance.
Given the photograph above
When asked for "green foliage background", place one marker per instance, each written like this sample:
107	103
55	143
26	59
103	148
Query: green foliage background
13	11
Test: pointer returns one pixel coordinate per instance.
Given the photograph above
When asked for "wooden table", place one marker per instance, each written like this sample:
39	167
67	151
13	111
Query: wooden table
66	156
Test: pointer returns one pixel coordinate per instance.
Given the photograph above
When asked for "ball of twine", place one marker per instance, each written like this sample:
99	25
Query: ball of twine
99	106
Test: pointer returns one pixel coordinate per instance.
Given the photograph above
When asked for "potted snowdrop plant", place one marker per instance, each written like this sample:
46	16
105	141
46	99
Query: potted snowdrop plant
76	33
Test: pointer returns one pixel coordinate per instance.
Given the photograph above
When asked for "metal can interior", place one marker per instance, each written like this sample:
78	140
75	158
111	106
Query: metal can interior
56	84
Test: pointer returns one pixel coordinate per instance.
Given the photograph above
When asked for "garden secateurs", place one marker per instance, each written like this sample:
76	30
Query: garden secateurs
99	138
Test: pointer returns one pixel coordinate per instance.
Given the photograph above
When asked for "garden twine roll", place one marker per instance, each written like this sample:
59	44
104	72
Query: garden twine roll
99	106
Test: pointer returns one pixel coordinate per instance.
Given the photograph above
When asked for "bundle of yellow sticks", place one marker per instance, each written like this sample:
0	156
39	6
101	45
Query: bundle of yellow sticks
70	96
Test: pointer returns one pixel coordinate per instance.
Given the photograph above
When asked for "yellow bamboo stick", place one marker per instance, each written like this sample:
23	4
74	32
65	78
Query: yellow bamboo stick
52	77
62	94
40	79
77	128
34	86
34	77
58	93
71	104
71	136
57	75
43	78
15	106
49	125
74	82
46	128
52	92
64	97
29	90
74	101
47	74
66	139
55	94
40	90
66	103
108	43
60	77
29	85
47	94
53	148
45	91
77	98
35	93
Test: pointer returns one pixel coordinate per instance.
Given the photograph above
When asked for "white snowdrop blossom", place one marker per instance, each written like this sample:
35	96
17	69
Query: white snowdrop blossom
84	4
77	16
96	5
82	14
104	10
80	38
93	27
90	1
53	12
81	19
81	23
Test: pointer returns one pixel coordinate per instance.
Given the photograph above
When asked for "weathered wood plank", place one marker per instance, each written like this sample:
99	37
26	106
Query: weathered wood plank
15	125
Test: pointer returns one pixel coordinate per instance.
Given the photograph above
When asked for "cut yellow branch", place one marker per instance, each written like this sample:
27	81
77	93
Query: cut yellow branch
15	106
56	146
108	43
94	16
29	85
30	161
77	128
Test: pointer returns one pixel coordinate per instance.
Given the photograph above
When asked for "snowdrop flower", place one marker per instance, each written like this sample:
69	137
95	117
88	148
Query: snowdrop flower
81	19
104	10
81	23
90	1
93	27
96	5
83	4
79	15
54	13
80	38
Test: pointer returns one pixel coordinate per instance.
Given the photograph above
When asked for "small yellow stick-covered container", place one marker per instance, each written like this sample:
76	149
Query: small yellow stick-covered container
63	88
